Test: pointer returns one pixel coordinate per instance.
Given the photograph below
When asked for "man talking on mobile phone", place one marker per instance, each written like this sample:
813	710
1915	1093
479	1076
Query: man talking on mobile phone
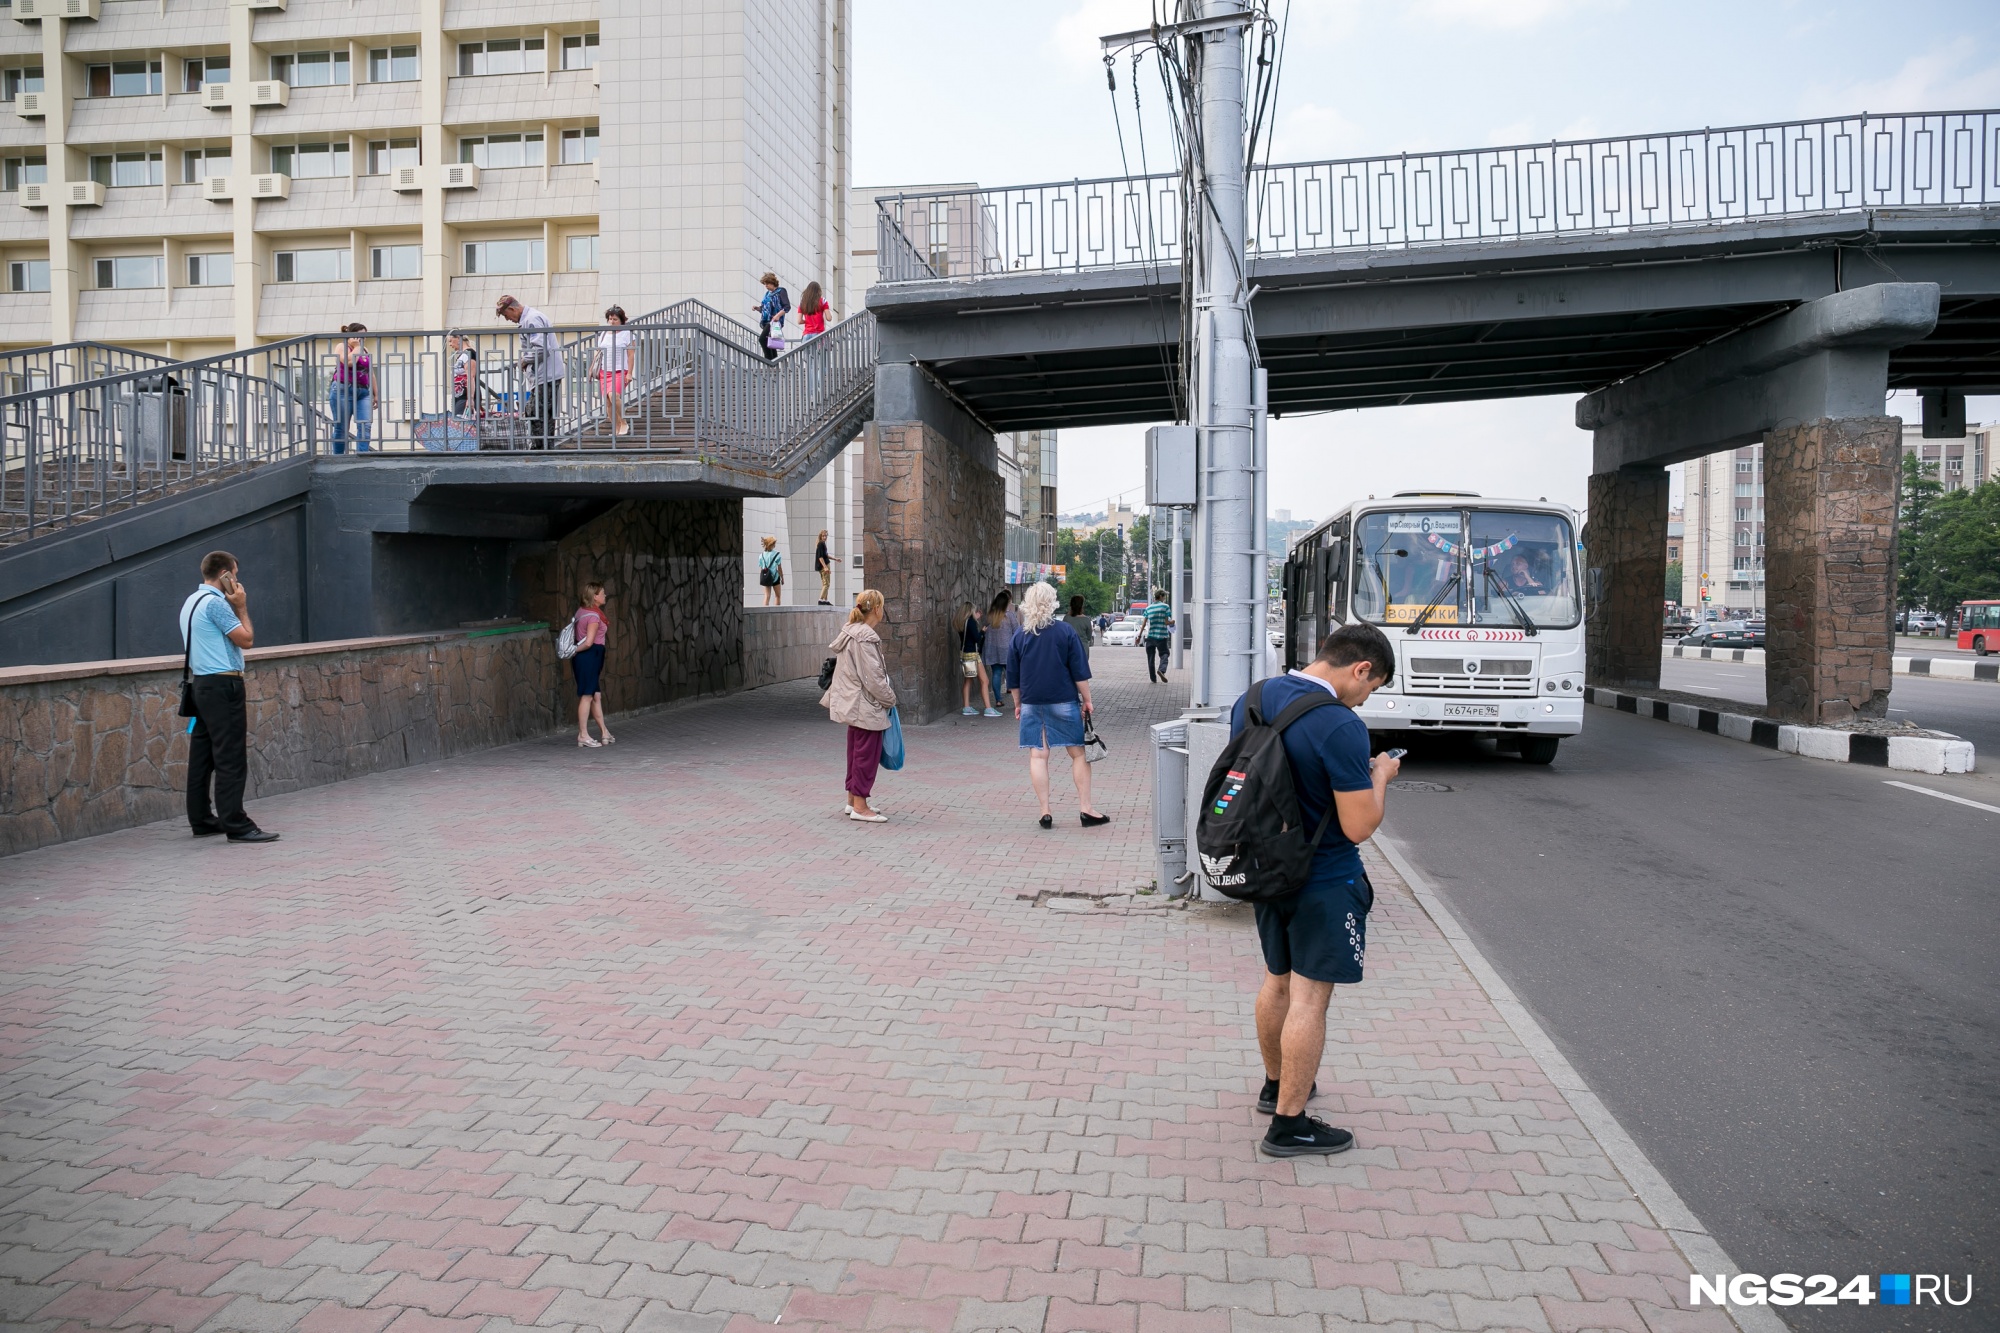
215	627
1314	939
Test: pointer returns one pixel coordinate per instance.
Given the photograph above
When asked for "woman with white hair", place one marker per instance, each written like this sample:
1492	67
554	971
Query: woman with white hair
1049	675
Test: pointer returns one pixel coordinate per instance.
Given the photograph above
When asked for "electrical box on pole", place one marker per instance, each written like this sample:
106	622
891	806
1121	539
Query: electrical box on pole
1171	482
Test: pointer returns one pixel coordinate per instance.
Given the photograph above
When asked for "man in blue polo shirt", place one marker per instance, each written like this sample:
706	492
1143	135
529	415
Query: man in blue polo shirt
215	626
1314	939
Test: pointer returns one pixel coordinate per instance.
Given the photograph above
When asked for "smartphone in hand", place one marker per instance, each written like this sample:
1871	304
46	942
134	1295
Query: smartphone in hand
1397	753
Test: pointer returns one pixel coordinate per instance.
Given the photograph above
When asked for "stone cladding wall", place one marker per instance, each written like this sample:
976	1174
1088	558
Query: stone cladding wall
95	746
1628	541
1830	568
786	642
932	544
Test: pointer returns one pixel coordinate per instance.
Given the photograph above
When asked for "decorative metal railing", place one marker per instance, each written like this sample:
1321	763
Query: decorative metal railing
698	383
71	363
1693	178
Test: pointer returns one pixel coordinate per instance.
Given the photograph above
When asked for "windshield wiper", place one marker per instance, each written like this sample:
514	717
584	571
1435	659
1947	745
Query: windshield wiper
1432	605
1527	624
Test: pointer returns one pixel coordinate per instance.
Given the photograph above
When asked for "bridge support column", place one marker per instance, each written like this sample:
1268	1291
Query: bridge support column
934	510
1628	543
1830	567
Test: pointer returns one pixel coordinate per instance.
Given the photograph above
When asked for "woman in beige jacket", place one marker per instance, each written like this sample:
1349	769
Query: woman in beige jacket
861	697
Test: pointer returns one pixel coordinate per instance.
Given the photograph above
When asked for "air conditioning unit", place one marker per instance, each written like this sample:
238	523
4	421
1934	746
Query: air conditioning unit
406	179
219	188
278	5
270	92
83	194
55	9
35	196
461	176
271	186
29	104
215	96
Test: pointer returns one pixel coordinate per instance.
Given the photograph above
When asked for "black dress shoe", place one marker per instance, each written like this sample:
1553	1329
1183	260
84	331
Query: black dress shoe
208	832
1092	821
254	835
1047	821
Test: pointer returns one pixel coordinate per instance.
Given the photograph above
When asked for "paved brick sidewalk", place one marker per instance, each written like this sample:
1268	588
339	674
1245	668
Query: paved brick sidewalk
651	1038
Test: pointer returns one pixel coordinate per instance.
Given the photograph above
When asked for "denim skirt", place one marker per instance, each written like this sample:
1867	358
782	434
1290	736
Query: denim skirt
1047	725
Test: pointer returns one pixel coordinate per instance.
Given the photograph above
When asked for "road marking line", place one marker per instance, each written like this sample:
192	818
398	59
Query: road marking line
1704	1254
1945	796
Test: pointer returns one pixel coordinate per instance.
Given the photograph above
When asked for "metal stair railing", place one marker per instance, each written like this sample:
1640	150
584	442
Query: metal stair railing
31	368
699	385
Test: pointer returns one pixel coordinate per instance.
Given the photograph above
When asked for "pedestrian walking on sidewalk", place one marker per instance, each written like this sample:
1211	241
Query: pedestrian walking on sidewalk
593	630
971	639
1314	939
352	395
1079	620
861	697
1050	678
614	367
541	368
771	317
814	312
1159	635
215	627
1002	623
823	564
771	573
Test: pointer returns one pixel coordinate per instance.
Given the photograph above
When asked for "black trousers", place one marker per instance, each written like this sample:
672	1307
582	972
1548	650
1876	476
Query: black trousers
542	415
1163	649
217	751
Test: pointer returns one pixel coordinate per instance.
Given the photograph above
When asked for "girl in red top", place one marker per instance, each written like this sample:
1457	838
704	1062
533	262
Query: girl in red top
592	629
813	312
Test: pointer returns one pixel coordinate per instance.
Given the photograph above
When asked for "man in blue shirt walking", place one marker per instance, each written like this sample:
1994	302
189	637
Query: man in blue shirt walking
215	627
1159	634
1314	939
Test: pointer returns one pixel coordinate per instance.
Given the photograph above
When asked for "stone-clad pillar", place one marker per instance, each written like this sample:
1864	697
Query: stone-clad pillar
934	508
1830	567
1628	542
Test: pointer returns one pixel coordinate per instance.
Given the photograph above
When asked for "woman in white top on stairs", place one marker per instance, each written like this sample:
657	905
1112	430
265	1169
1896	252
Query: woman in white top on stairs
614	367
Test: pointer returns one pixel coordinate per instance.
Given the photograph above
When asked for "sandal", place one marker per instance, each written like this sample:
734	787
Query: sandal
584	742
609	738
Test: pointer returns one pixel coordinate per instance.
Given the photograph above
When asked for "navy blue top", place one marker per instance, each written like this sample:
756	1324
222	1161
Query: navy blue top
1328	749
1045	667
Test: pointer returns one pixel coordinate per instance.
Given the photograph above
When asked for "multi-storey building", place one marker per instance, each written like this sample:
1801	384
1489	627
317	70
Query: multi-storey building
1722	541
1958	465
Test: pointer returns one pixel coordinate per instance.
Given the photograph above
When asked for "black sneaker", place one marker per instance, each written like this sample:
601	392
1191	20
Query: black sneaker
1267	1100
1303	1136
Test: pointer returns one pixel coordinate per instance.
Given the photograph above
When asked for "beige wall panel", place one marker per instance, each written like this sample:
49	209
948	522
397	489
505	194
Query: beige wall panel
24	318
336	204
523	196
138	25
144	120
134	316
373	110
140	212
23	224
307	21
475	14
18	135
566	95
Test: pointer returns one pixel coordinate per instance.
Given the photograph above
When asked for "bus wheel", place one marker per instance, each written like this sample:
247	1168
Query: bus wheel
1540	749
1979	646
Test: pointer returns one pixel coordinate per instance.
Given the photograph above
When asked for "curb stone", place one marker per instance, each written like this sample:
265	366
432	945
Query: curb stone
1938	668
1908	754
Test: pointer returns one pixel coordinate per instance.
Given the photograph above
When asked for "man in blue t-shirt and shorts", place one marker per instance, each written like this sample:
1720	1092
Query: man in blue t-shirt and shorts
1314	939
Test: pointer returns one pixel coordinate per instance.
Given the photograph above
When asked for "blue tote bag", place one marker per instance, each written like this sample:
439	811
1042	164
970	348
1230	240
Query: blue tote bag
892	743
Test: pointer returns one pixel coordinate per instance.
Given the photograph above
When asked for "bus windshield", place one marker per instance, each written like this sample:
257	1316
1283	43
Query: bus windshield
1467	566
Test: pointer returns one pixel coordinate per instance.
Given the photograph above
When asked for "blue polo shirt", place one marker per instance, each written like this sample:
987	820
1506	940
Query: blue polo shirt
211	620
1045	667
1328	750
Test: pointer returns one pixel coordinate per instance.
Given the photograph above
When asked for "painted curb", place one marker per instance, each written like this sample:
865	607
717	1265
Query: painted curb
1909	754
1940	668
1702	1251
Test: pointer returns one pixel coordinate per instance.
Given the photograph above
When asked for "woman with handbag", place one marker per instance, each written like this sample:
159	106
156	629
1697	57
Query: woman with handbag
971	640
771	573
1050	679
862	698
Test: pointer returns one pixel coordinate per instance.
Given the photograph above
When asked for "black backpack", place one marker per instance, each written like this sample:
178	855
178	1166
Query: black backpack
1251	836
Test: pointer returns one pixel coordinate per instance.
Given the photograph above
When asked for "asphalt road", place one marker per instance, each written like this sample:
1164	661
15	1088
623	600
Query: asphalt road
1968	708
1779	974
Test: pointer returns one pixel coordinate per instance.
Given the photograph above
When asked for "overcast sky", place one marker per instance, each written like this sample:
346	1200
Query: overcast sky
1009	92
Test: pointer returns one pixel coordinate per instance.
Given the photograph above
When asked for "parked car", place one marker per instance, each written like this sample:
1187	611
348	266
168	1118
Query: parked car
1678	627
1123	633
1925	622
1724	634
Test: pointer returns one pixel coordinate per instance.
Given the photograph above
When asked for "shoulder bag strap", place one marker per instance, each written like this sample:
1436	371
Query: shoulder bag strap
1298	708
187	649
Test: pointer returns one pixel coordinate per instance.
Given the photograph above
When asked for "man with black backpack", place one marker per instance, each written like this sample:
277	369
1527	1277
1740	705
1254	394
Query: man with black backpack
1313	935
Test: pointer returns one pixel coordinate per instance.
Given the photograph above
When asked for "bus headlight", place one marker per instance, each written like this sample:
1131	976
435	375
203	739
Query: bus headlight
1548	708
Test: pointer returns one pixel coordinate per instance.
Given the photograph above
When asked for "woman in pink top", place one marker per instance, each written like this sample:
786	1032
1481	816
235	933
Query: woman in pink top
592	629
813	312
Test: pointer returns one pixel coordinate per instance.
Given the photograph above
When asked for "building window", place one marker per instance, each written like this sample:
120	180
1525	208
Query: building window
209	270
22	79
396	261
505	55
124	169
123	78
387	155
582	254
330	265
393	64
205	69
310	69
28	275
130	271
1745	465
503	256
580	52
18	171
579	145
308	161
493	151
1742	514
197	164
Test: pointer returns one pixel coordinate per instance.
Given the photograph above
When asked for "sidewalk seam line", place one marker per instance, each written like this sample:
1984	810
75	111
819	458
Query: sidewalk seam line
1702	1251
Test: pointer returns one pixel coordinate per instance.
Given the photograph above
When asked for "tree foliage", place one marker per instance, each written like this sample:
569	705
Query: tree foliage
1947	542
1676	573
